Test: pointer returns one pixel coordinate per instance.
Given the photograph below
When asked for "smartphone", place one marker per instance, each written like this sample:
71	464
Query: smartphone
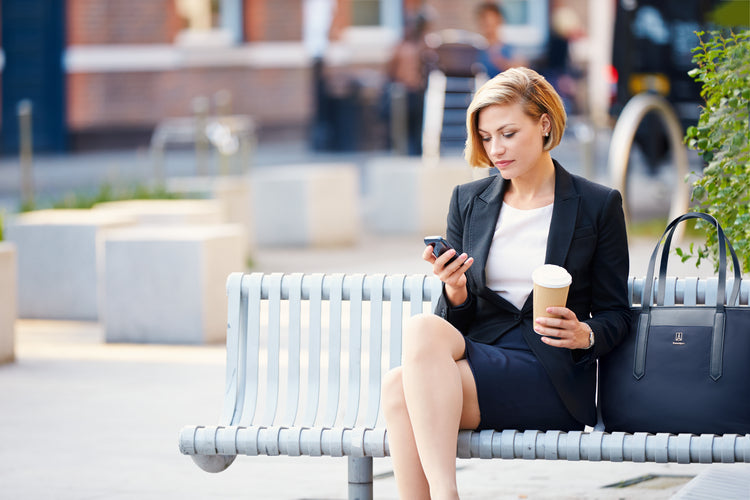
439	246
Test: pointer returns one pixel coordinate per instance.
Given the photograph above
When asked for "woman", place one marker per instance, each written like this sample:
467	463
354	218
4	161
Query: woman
408	68
482	361
497	56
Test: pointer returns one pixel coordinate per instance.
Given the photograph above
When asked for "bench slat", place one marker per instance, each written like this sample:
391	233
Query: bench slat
670	290
234	326
334	350
375	351
250	368
355	349
314	351
435	292
416	300
294	336
274	349
397	314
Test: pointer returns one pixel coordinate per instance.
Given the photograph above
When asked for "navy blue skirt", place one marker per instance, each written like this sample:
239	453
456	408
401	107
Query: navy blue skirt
513	389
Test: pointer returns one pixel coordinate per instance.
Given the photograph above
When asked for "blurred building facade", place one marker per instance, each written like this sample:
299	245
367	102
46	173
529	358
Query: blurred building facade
104	73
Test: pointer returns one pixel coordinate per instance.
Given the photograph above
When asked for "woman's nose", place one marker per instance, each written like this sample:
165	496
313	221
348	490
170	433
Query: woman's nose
496	147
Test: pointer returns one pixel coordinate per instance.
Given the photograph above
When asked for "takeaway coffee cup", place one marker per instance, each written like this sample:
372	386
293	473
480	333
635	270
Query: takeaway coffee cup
551	284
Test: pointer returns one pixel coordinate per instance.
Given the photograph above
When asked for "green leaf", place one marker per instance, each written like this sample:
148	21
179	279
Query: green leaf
721	137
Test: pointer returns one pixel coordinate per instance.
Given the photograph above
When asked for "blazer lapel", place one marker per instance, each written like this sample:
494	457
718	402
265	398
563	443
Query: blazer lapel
564	216
481	229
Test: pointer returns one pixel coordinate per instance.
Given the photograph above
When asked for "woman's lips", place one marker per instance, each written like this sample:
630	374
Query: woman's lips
503	163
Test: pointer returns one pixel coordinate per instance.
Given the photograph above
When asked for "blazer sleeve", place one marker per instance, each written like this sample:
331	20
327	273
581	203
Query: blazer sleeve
460	316
610	309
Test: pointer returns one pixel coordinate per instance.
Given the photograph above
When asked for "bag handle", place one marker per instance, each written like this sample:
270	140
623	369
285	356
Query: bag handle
723	243
734	294
644	319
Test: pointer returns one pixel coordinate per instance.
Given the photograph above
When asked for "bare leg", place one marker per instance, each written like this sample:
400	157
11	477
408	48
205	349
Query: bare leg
440	397
407	467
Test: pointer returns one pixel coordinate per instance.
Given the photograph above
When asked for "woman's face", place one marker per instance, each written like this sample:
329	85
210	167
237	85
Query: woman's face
489	24
513	141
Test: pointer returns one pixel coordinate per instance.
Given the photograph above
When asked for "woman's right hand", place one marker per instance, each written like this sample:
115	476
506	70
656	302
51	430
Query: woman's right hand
453	274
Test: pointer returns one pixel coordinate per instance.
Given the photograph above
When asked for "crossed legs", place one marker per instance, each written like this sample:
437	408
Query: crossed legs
425	402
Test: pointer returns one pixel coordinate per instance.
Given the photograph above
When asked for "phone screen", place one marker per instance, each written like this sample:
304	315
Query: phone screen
439	246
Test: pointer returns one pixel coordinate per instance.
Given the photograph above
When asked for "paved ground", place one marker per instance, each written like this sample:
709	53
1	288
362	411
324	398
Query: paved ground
82	419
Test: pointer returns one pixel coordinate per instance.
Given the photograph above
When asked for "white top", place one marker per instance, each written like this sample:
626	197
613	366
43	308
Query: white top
519	246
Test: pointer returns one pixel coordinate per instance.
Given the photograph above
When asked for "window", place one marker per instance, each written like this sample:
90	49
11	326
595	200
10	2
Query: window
516	11
210	20
365	12
526	25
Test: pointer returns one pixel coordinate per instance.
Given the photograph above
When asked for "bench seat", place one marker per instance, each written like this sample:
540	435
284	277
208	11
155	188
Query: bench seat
305	359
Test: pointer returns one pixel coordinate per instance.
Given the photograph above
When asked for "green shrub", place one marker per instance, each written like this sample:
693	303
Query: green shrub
107	192
721	137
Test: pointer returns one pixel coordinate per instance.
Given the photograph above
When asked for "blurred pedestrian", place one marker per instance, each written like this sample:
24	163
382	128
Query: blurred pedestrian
498	56
559	67
407	75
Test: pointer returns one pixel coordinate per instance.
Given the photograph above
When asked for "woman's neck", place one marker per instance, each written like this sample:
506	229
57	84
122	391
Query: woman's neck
534	189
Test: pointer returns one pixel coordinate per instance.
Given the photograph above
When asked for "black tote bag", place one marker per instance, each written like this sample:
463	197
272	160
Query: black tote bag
681	369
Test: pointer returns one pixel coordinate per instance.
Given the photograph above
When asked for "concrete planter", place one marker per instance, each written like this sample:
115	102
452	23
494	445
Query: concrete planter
408	196
233	193
167	212
8	302
167	284
306	205
58	259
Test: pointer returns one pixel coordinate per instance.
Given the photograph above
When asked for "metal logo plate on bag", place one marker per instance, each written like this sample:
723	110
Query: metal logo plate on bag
678	336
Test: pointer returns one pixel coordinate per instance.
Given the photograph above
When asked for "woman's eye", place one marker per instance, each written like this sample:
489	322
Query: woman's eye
509	135
486	139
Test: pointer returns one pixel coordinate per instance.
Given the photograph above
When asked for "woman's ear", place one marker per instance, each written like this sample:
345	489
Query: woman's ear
546	124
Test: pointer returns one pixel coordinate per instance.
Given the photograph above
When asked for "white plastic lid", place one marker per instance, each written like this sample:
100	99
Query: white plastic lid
551	276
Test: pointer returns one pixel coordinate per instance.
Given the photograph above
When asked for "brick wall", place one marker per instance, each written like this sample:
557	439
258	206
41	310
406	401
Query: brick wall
278	98
121	21
139	100
277	20
453	14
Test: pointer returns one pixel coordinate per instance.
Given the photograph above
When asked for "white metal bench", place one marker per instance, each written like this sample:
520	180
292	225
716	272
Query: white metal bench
305	359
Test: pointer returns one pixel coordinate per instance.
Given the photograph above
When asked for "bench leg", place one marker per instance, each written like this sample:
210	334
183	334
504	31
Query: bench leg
360	478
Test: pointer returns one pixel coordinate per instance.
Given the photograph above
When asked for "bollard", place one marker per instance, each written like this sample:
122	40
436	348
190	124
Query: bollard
200	110
25	149
586	136
223	106
399	119
223	102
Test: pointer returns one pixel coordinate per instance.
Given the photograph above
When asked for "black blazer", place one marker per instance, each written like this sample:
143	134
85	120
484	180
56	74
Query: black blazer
588	238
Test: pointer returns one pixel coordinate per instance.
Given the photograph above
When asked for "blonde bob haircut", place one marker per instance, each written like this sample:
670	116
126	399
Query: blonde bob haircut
516	85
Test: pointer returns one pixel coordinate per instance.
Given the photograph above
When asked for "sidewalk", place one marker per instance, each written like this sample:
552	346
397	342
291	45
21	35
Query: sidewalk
85	419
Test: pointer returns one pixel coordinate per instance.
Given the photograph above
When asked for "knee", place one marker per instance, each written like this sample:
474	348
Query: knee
426	335
392	393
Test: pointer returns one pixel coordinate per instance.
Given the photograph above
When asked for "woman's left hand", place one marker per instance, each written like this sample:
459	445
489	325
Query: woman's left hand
570	333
